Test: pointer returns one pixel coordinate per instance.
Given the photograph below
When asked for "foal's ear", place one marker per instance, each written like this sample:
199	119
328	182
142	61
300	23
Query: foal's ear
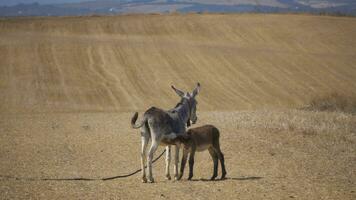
196	90
179	92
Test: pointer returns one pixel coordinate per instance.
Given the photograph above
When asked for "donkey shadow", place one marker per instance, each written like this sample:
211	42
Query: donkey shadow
249	178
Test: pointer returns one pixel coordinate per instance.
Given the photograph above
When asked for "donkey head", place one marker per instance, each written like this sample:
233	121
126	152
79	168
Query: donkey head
192	102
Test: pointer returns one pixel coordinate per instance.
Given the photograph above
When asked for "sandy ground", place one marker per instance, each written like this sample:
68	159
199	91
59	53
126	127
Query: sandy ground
275	163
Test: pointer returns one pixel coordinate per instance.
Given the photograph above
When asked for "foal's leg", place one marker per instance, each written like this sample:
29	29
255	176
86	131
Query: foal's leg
191	163
153	149
222	161
144	141
221	158
176	162
168	161
214	156
184	161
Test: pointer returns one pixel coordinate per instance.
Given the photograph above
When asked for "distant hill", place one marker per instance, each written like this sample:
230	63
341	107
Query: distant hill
127	63
77	7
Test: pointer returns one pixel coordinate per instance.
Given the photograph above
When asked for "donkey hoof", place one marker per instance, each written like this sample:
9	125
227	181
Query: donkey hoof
223	176
144	180
212	178
179	177
151	180
168	177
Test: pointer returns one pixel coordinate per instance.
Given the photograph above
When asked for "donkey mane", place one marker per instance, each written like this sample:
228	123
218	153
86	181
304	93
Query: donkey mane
181	102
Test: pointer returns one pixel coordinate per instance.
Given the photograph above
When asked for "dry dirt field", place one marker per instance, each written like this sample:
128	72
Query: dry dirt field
281	88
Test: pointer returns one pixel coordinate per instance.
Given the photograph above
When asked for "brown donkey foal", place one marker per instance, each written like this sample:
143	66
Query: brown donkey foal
200	139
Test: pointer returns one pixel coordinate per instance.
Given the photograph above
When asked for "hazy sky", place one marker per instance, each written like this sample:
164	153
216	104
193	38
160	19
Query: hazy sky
14	2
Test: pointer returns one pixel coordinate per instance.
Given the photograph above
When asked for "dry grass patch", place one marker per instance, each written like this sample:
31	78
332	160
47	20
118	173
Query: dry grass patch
333	113
333	103
306	122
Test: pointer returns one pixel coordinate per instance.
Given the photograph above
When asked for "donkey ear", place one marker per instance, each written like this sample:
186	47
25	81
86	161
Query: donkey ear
196	90
180	93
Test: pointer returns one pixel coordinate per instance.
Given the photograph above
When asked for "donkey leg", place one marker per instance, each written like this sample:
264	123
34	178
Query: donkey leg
176	162
152	150
214	156
184	161
222	161
168	161
191	164
221	158
144	141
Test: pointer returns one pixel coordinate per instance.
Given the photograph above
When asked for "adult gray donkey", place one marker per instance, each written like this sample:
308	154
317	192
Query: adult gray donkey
162	127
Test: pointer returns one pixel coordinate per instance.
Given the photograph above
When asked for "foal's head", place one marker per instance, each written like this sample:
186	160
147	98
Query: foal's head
192	102
185	139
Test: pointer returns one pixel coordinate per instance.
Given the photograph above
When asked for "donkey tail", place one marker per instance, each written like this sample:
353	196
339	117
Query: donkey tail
133	121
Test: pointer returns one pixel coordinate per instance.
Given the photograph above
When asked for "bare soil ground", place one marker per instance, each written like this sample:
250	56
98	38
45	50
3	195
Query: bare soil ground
272	157
69	86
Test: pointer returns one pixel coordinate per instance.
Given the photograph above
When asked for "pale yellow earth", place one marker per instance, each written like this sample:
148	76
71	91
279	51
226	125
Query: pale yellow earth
70	85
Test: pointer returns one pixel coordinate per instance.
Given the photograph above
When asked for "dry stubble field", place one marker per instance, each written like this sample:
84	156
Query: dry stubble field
69	85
